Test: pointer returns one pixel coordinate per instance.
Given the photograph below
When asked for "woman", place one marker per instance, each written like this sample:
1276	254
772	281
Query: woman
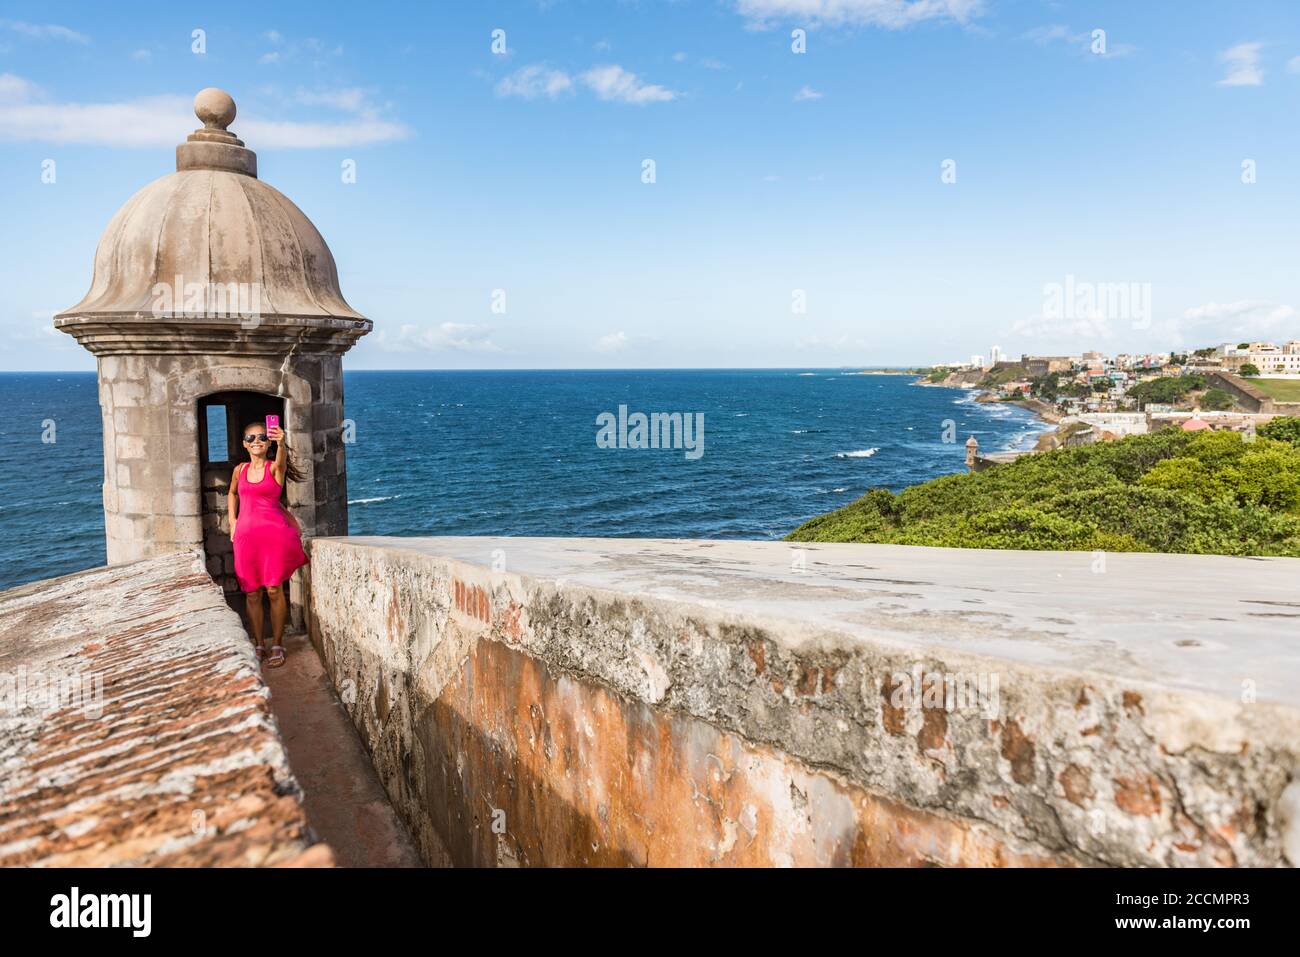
266	536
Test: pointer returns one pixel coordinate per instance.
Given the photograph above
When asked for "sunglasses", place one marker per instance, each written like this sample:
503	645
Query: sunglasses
252	437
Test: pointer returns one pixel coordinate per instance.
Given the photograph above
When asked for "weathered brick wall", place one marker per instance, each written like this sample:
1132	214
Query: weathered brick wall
135	728
703	703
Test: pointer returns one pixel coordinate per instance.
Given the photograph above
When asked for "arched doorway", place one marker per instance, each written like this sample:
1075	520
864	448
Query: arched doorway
221	418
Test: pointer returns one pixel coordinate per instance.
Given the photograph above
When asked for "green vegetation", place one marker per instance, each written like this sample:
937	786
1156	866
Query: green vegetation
1003	373
1249	369
937	375
1284	390
1168	390
1217	400
1046	387
1171	491
1285	428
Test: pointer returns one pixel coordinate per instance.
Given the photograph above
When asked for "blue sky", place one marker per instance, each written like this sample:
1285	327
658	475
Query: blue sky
777	174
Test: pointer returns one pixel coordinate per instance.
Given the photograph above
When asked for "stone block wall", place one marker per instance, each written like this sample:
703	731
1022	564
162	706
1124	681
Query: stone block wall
549	702
157	496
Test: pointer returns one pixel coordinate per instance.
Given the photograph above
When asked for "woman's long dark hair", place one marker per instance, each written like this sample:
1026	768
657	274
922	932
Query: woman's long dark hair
291	472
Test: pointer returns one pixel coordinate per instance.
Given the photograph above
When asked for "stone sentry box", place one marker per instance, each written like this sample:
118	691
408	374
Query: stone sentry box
211	288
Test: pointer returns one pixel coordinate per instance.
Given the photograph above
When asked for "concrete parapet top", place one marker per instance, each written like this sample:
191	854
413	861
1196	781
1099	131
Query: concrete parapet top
1203	623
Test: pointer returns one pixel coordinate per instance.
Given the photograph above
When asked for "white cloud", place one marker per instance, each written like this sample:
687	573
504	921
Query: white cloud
535	81
1045	35
614	342
46	31
706	62
612	82
311	49
890	14
349	100
142	56
1079	42
1061	328
40	328
1293	65
292	134
1244	319
15	88
161	121
806	92
456	336
1243	65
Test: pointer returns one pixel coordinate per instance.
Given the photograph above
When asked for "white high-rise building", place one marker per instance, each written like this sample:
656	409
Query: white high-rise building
977	362
995	355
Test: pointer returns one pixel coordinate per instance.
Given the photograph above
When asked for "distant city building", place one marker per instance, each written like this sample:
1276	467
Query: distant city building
1044	365
1270	358
995	355
977	362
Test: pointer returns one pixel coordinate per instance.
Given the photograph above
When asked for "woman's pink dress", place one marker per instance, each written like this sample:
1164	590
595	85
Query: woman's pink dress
267	546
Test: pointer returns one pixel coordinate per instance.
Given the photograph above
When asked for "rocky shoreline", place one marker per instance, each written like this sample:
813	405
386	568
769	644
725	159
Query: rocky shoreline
1048	439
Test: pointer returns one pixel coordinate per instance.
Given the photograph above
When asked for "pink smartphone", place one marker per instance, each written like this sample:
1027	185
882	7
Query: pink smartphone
272	422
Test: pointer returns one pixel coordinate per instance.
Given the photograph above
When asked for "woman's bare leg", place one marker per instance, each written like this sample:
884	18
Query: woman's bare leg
279	612
253	607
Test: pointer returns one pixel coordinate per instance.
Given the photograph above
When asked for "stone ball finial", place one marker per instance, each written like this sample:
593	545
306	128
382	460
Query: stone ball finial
215	108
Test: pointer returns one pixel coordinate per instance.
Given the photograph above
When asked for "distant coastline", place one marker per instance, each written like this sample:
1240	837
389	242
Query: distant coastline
1045	412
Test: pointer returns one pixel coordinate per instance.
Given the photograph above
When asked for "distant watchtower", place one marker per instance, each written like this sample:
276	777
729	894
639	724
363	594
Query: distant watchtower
214	303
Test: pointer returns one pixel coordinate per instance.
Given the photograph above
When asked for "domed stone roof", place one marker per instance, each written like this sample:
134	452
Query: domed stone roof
212	256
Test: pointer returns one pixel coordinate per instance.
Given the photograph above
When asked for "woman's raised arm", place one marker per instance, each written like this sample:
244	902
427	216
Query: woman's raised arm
276	435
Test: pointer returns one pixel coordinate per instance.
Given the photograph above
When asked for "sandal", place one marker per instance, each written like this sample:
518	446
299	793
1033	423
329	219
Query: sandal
260	652
277	656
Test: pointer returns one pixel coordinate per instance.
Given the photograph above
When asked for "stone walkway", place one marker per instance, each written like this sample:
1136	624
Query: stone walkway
346	805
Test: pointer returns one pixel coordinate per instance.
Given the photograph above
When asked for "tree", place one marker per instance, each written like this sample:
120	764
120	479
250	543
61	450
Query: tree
1217	400
1047	386
1166	390
1243	345
1284	428
1249	369
1205	353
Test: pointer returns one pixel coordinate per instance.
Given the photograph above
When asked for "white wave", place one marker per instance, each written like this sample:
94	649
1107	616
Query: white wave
367	501
860	454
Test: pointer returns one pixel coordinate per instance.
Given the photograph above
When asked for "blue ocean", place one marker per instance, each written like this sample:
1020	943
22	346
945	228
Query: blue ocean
515	453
